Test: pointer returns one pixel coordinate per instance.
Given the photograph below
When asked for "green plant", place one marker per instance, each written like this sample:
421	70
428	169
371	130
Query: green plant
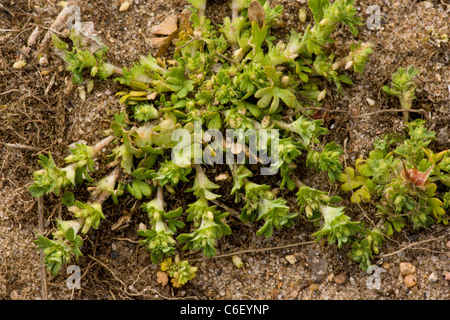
403	87
239	76
180	271
66	241
159	239
51	178
83	57
337	226
401	173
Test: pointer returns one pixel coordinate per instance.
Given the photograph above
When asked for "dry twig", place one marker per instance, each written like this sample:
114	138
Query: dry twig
408	246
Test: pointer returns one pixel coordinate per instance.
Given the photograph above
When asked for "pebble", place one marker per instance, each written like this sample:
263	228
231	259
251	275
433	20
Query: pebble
448	242
432	277
291	259
427	4
410	280
14	295
407	268
330	277
341	278
446	275
114	255
371	102
43	61
124	6
19	64
313	287
274	293
386	265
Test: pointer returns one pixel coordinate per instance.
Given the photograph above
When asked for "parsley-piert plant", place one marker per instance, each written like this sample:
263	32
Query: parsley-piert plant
234	76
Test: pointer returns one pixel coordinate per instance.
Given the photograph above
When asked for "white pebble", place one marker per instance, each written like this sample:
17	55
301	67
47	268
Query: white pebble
124	6
371	102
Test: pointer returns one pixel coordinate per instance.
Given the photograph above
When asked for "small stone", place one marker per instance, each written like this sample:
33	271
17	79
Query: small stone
274	293
294	294
19	64
330	277
432	277
3	289
14	295
156	42
124	6
386	265
448	242
291	259
223	177
114	255
43	61
410	280
446	275
313	287
167	27
407	268
82	93
427	4
371	102
341	278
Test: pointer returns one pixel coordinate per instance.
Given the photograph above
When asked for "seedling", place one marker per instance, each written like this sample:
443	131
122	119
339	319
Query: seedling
403	87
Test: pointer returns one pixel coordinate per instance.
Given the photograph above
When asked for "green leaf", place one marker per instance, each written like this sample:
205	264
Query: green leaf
317	7
337	226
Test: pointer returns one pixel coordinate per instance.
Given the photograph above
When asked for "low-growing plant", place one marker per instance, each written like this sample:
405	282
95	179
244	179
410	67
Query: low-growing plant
403	87
402	174
237	76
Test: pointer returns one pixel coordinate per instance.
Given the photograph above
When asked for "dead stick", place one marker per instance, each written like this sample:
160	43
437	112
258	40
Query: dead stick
21	146
408	246
392	110
43	269
57	25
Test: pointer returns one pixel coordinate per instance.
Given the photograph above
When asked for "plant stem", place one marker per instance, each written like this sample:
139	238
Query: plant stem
297	182
406	103
160	197
99	146
282	125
